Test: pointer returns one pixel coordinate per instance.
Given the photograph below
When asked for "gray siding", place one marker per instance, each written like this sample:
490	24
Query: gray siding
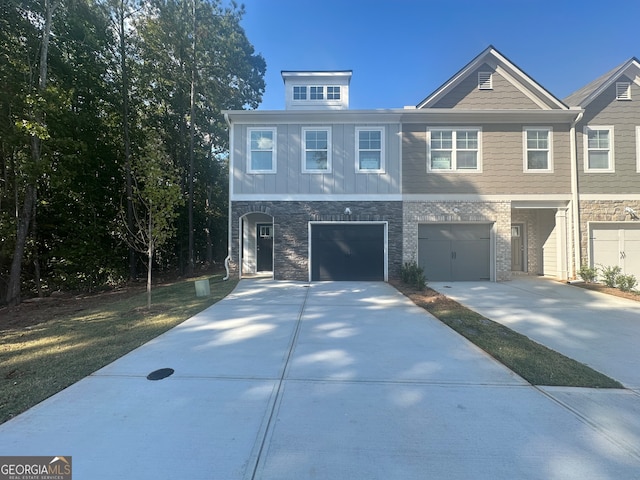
624	115
504	94
343	179
502	165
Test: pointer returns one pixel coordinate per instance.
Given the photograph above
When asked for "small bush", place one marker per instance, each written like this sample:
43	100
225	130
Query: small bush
413	274
610	275
626	283
588	274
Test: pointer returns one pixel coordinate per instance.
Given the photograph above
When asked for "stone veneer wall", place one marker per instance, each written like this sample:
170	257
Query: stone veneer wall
291	231
601	211
416	212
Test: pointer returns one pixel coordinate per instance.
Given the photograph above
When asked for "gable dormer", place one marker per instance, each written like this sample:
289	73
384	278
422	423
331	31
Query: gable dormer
316	90
491	82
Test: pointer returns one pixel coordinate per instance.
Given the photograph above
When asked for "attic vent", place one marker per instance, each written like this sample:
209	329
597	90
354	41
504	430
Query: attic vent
623	91
485	81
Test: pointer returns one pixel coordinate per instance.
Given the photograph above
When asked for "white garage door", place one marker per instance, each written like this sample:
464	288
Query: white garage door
616	244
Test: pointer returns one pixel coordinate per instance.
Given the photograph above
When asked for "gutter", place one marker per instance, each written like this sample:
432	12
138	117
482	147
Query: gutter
575	198
228	257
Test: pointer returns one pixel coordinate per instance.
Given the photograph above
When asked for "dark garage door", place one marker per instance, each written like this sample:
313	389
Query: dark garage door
457	252
347	252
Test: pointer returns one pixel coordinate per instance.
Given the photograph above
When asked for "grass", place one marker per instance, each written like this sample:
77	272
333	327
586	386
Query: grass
39	361
535	363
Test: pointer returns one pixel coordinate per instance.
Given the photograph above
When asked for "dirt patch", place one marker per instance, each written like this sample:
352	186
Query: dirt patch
598	287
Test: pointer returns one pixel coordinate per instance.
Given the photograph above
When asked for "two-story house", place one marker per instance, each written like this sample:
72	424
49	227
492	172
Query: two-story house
489	175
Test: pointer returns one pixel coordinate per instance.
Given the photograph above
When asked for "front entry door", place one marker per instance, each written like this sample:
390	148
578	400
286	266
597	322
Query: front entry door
264	247
517	248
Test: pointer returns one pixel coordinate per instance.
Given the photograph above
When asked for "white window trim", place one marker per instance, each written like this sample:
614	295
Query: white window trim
638	149
274	150
454	166
338	92
324	93
305	88
585	147
525	159
623	91
382	131
304	149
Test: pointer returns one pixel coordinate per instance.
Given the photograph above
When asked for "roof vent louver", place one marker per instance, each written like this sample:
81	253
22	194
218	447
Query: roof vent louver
623	91
485	81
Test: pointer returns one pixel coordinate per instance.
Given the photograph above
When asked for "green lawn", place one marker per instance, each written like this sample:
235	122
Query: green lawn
39	361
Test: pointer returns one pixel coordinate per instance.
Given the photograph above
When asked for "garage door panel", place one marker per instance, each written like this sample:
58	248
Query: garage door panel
455	252
347	252
616	244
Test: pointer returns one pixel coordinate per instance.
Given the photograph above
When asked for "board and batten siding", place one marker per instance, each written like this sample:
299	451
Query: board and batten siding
504	95
502	164
343	178
624	116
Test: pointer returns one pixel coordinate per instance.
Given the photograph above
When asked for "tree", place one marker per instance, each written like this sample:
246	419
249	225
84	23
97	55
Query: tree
156	196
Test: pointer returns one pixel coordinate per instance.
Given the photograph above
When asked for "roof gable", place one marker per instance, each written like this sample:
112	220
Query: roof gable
585	95
513	77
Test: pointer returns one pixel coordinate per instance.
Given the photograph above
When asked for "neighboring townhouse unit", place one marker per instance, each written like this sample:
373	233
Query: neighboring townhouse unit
488	176
608	168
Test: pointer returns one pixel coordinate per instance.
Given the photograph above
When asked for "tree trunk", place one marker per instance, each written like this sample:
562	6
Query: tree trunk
192	134
13	290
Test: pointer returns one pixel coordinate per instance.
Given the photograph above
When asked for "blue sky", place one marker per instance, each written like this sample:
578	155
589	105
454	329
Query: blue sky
402	50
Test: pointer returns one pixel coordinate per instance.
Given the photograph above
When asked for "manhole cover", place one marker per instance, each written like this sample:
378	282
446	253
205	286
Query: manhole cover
160	374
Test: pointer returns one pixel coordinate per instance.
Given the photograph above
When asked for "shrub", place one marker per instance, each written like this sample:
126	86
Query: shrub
588	274
626	283
413	274
610	275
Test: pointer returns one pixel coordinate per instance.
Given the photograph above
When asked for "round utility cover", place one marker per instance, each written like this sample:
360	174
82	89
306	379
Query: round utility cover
160	374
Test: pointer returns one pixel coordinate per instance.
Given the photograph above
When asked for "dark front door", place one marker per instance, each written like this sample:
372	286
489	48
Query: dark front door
347	252
517	248
264	247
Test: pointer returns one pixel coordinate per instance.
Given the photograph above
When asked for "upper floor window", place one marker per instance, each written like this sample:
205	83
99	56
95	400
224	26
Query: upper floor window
485	81
299	92
638	149
598	148
370	149
451	149
537	149
316	93
316	152
623	91
262	150
333	93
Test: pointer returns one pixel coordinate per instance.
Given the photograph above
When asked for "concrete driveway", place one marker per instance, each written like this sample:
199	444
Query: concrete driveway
286	380
600	330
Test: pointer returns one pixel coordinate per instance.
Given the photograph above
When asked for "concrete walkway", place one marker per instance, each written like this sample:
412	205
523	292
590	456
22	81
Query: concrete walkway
289	381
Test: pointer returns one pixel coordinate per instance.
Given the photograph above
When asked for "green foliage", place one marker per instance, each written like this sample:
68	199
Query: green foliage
610	275
627	283
413	274
587	273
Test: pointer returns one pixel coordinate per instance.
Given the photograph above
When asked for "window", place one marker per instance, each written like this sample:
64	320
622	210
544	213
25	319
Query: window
638	149
537	149
316	93
262	150
316	150
370	149
453	150
623	91
598	148
485	81
299	92
333	93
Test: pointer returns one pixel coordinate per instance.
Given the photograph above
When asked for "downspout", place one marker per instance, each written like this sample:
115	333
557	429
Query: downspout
575	198
229	240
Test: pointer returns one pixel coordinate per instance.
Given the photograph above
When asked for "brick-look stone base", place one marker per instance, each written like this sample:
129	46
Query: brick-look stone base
497	213
602	211
291	231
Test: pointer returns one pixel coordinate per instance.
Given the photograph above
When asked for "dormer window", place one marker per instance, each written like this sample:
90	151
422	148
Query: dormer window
316	93
623	91
485	81
300	92
333	93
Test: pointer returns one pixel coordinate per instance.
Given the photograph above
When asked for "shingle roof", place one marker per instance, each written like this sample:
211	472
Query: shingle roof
580	97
